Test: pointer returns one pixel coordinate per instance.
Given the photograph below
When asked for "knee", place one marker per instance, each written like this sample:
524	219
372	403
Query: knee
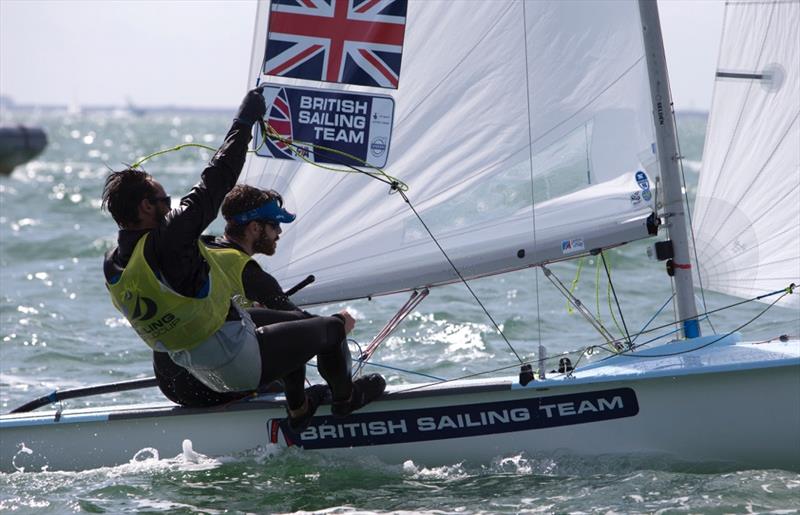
335	331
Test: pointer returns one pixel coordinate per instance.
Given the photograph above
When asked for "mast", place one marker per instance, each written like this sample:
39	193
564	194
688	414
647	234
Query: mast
668	161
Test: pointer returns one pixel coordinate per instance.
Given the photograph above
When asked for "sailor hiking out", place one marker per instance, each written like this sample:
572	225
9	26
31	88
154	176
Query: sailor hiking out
182	296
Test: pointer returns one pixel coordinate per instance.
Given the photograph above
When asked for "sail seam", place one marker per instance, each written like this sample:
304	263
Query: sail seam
429	96
745	100
710	124
399	122
775	236
734	203
471	177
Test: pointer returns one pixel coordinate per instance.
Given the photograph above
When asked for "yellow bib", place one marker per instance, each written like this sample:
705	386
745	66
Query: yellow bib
164	319
232	263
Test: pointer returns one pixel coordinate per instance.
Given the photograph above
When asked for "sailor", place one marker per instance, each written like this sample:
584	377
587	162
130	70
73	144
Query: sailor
288	336
164	282
168	285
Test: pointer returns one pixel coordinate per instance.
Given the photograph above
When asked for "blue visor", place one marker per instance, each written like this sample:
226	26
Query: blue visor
270	211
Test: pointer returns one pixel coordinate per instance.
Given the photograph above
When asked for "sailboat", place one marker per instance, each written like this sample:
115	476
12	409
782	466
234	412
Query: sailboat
517	134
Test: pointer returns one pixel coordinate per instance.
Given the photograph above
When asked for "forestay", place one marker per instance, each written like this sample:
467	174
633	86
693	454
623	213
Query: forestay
500	106
747	212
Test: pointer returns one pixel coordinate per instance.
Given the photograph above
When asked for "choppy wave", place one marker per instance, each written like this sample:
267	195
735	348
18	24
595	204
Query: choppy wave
293	481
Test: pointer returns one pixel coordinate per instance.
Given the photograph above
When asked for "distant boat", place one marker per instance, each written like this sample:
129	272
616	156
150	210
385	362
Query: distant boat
18	145
134	109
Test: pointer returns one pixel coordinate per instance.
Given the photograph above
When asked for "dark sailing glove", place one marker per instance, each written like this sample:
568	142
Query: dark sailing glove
252	108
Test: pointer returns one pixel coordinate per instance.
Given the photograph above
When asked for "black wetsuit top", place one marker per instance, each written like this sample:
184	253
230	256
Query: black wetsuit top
171	249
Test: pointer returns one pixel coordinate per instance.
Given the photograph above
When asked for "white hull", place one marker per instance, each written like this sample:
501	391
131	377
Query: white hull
734	404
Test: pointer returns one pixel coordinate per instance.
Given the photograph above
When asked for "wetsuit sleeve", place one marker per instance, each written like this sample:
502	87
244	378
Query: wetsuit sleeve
200	206
261	287
174	243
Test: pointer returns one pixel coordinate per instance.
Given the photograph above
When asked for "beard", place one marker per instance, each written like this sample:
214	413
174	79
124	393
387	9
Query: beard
162	213
265	245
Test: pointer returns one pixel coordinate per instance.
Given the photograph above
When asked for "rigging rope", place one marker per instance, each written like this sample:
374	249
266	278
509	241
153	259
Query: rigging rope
530	160
594	322
300	151
785	291
461	277
401	188
138	163
627	353
689	214
614	291
268	131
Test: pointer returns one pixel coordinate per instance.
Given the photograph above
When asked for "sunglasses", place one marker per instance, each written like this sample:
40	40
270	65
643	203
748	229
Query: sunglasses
271	223
166	198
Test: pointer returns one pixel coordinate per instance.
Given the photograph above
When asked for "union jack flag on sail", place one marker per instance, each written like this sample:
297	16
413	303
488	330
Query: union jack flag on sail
345	41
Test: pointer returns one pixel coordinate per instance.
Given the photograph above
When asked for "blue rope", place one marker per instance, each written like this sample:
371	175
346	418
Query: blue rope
653	318
393	368
400	370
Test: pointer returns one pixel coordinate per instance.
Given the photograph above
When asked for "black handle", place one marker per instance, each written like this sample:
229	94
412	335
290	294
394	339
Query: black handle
299	286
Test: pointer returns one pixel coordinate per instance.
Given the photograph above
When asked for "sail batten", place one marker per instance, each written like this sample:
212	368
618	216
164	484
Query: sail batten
503	110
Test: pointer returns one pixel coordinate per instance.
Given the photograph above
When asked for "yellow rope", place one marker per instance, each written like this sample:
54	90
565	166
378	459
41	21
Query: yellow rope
299	151
574	285
597	304
608	296
294	145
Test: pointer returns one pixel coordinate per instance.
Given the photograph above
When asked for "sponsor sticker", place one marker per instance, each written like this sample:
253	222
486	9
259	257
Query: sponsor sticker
345	124
642	181
570	246
416	425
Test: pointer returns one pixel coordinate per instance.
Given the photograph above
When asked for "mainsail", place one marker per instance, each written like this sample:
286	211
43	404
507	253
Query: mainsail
747	212
522	128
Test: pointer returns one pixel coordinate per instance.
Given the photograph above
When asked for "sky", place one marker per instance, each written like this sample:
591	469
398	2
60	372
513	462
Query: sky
196	52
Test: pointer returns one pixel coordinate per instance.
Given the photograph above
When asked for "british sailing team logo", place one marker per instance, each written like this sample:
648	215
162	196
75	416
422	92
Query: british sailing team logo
327	126
280	122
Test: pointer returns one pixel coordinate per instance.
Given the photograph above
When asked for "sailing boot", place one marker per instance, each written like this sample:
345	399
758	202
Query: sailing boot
315	395
365	390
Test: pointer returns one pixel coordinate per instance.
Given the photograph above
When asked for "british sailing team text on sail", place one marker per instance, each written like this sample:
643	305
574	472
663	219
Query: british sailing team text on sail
332	117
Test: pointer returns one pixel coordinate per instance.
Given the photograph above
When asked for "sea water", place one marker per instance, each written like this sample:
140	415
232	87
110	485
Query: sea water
59	330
